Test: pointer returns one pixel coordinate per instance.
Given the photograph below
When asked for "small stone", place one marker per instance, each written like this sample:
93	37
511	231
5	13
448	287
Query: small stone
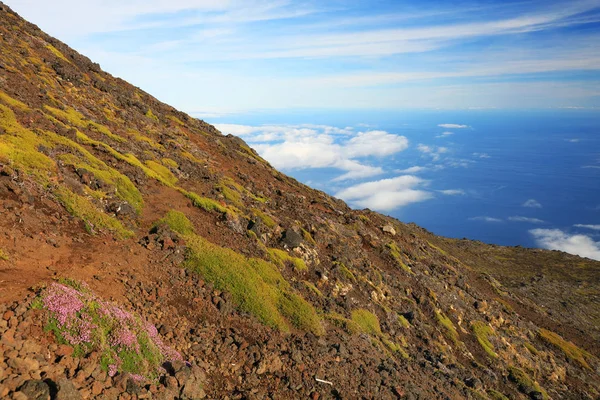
97	388
66	390
64	350
8	315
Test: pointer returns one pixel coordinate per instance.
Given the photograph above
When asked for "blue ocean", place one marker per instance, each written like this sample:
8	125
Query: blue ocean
510	171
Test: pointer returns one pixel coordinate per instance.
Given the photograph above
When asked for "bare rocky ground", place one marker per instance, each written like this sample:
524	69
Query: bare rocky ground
359	306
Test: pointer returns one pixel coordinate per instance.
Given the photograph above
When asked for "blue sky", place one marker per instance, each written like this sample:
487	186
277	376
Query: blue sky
213	57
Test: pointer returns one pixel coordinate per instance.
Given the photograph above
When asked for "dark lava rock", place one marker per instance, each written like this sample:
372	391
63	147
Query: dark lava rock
36	390
291	239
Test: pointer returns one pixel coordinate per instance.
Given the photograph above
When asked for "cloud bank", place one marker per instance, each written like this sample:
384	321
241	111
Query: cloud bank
555	239
532	203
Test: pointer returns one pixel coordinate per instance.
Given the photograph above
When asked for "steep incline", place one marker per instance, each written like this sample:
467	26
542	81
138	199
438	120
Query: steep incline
145	215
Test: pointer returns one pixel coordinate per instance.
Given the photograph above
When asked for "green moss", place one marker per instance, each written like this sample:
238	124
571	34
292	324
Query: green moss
14	103
167	162
256	285
191	157
178	222
151	115
367	321
364	218
345	271
281	257
176	120
4	256
524	382
396	254
93	218
531	349
308	237
403	321
57	52
310	286
266	219
446	323
496	395
163	172
205	203
346	324
482	332
75	118
568	348
144	139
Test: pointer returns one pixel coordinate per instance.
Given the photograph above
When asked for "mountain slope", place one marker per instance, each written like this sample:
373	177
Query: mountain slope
267	287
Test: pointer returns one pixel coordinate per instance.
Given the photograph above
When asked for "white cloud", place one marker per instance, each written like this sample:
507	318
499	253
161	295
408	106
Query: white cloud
453	192
445	134
320	146
532	203
587	226
555	239
432	151
591	166
485	219
452	126
482	155
572	140
386	194
526	219
411	170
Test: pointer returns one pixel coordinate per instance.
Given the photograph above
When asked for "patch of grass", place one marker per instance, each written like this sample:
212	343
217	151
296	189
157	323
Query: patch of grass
310	286
396	254
308	237
482	332
151	115
395	348
341	322
524	382
93	218
4	256
569	349
367	321
364	218
57	53
191	157
281	257
449	329
14	103
205	203
403	321
345	271
75	118
256	285
167	162
496	395
266	219
144	139
176	120
163	172
531	348
178	222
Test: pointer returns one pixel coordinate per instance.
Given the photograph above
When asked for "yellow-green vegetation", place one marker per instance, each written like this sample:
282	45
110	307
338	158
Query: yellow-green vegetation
531	348
281	257
4	256
403	321
167	162
19	147
256	285
308	237
205	203
367	321
310	286
568	348
341	322
178	222
12	102
191	157
84	209
56	52
163	172
395	347
73	117
176	120
496	395
524	382
151	115
144	139
231	193
266	219
446	323
395	252
345	271
482	332
364	218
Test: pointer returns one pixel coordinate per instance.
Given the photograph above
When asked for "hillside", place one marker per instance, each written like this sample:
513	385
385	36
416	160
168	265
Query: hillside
143	254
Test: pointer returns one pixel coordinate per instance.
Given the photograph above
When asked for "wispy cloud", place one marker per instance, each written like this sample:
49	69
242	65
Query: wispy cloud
526	219
452	126
452	192
532	203
434	152
411	170
556	239
386	194
588	226
484	218
445	134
